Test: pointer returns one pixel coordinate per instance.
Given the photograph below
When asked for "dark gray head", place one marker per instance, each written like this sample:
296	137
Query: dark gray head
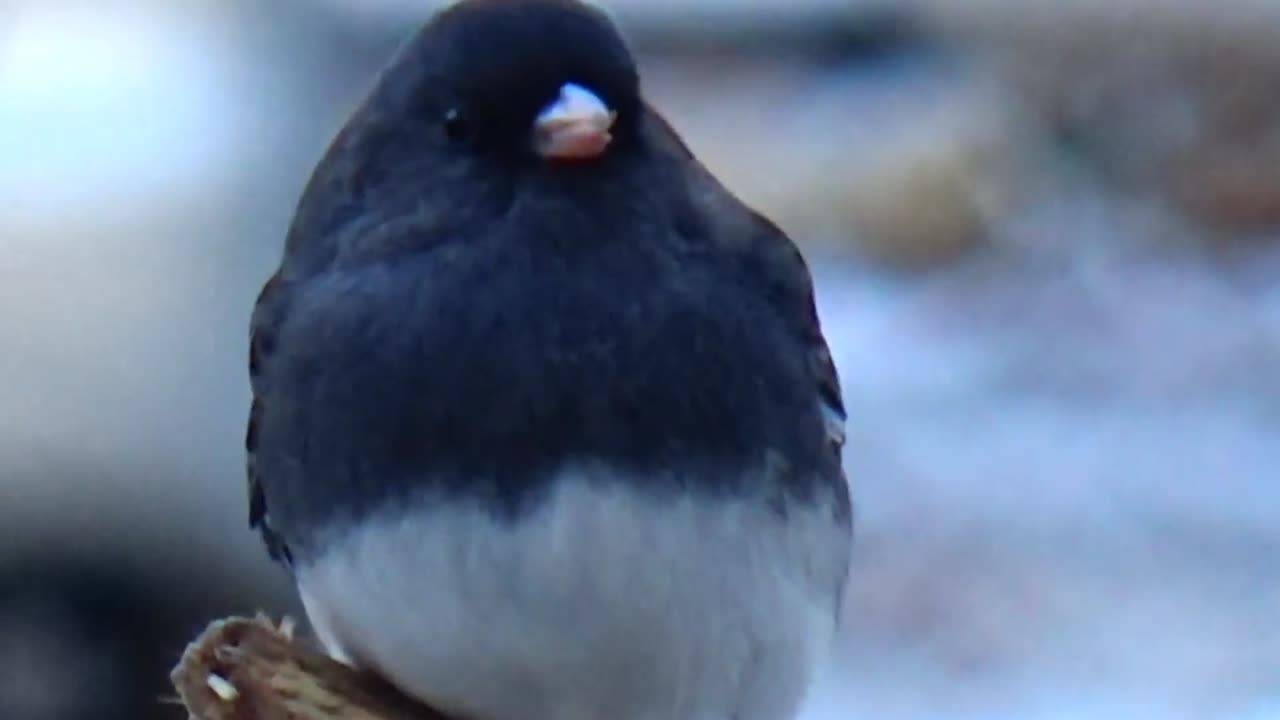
499	76
490	99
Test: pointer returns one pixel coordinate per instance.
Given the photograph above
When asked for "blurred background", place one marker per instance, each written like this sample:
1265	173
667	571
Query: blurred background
1045	241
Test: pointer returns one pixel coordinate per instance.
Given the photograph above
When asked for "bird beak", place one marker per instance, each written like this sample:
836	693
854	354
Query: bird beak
573	127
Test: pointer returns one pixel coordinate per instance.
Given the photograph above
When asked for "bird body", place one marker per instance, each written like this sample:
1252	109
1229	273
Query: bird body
543	422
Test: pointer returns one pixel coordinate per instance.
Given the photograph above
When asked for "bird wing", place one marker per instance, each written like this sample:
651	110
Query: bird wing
766	253
266	317
779	263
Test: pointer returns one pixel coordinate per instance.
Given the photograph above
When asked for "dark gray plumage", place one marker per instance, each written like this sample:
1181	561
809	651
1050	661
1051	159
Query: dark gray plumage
501	397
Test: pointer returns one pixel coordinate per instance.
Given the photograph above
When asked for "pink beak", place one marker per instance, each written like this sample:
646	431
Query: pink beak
573	127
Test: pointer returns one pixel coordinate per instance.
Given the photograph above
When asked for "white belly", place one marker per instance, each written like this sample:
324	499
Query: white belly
605	603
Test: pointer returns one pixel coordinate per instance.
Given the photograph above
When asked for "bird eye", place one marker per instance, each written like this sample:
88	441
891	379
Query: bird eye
455	125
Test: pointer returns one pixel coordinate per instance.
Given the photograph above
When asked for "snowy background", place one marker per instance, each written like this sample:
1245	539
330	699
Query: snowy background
1045	241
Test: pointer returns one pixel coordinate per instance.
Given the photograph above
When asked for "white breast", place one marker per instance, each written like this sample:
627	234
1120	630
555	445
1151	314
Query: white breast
608	602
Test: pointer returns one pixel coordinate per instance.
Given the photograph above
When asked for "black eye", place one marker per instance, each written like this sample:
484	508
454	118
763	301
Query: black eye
456	125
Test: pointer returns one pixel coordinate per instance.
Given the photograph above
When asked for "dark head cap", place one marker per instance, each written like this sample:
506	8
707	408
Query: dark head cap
491	72
491	96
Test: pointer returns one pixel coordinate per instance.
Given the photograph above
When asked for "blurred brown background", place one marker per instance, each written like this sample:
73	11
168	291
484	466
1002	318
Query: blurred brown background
1045	240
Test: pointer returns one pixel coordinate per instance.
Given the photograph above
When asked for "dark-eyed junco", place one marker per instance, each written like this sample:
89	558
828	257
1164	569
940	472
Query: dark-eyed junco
544	424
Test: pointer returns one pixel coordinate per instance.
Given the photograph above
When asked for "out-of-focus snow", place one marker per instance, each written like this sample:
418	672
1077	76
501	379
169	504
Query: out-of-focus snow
1066	481
107	108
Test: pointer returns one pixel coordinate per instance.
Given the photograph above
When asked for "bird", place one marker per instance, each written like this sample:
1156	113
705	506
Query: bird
544	425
